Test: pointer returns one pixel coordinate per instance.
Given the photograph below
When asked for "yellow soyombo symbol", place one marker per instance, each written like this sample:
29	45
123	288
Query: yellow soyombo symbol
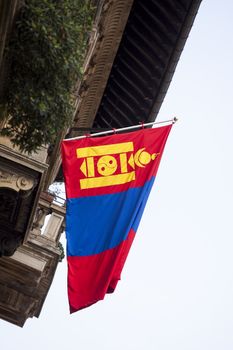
107	165
101	173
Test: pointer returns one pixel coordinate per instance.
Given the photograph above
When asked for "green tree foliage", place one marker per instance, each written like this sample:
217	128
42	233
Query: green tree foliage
46	53
62	252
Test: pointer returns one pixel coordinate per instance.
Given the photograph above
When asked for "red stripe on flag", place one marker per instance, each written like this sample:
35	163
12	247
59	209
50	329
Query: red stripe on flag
91	277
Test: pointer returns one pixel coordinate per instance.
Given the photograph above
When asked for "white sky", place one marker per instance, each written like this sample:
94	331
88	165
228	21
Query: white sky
176	290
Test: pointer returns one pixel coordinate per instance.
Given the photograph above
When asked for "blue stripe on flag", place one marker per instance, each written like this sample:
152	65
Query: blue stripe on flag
114	216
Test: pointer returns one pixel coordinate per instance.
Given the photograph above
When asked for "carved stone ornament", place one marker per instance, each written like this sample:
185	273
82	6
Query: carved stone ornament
16	182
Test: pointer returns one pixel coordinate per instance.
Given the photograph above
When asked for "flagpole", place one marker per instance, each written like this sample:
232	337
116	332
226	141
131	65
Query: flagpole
111	131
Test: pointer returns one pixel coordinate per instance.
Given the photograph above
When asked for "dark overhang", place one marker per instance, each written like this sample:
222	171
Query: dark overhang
145	62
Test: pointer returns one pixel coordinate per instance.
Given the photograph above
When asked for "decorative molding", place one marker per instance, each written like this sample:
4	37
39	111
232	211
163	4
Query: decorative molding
16	182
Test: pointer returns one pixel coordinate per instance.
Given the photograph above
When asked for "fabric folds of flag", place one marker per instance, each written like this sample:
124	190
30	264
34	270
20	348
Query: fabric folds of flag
108	180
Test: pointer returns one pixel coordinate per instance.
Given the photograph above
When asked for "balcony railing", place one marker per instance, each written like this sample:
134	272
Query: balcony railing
49	222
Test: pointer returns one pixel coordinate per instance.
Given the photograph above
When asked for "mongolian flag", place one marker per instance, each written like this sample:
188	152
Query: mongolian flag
108	180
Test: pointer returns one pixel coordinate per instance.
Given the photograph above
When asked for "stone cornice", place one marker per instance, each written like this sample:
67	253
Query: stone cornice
108	34
22	159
